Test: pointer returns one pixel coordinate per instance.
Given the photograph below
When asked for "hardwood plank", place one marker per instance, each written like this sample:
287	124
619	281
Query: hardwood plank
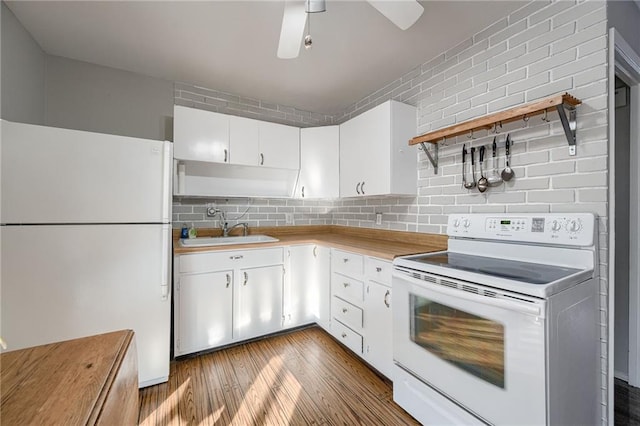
304	378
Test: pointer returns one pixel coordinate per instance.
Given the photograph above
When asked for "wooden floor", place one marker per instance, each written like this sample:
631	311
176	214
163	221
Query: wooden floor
627	404
300	378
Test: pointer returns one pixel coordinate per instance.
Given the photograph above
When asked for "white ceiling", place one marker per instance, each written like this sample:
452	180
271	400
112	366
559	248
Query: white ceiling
231	45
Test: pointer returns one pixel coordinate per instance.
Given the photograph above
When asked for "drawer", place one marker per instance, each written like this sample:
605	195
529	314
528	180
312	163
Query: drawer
346	313
378	270
347	263
229	259
347	288
346	336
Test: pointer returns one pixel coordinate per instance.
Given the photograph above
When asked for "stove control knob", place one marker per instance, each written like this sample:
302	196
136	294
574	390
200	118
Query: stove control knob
466	223
555	226
574	225
456	223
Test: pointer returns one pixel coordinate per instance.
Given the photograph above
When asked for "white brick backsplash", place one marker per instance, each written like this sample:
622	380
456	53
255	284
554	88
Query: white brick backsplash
534	31
599	209
561	167
471	113
506	56
554	61
592	164
551	196
580	37
529	184
474	91
550	89
554	35
506	102
592	195
528	208
507	33
491	74
508	78
581	180
528	83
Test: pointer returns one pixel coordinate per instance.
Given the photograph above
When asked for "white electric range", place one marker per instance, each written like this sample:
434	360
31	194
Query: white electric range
502	328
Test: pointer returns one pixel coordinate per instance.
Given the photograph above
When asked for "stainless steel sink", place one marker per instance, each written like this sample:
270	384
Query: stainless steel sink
223	241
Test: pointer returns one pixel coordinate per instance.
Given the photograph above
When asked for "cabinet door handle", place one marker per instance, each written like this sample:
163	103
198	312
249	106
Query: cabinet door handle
228	280
345	259
378	269
345	285
386	298
236	257
344	335
358	188
225	155
315	251
344	310
303	192
246	278
362	188
261	159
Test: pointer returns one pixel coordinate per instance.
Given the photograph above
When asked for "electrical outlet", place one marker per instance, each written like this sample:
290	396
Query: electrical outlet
378	218
288	218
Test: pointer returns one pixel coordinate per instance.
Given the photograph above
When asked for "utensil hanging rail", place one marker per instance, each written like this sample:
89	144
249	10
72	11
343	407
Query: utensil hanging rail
563	103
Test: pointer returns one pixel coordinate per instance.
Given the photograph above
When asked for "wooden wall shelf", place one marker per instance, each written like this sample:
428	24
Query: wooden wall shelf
563	103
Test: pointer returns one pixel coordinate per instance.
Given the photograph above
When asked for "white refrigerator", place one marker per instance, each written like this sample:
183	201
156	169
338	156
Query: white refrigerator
86	240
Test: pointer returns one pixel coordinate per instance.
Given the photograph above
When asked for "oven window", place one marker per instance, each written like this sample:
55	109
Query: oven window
470	342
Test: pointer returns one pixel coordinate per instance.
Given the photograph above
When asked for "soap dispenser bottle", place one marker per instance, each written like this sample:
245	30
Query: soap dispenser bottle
184	232
192	231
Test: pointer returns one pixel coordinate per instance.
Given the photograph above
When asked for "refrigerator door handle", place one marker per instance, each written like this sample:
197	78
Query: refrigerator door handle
167	165
166	243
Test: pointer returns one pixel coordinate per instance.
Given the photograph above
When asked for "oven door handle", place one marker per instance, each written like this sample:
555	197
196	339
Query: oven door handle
532	309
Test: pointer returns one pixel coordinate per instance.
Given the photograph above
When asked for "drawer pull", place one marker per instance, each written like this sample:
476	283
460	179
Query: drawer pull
378	269
345	260
344	335
386	298
345	285
228	280
344	310
236	257
246	278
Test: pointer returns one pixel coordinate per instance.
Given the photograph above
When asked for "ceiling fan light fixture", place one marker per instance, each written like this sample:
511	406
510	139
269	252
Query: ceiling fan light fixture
315	6
308	42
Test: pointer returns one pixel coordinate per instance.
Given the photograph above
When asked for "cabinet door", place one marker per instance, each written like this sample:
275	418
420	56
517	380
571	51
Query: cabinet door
378	328
279	146
244	141
351	158
203	311
319	162
200	135
307	286
374	136
259	301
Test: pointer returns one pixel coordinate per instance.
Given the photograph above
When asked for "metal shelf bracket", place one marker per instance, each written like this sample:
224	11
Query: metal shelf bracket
433	158
569	125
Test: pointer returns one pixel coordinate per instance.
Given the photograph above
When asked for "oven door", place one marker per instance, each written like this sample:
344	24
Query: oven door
477	346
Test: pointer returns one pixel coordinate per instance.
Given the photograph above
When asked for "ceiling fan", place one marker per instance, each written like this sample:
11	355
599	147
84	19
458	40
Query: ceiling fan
403	13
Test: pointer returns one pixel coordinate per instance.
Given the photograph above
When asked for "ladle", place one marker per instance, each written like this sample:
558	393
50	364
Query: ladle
494	177
507	173
483	183
464	159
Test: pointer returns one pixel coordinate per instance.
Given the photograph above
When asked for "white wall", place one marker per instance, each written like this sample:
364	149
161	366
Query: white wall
624	16
23	71
84	96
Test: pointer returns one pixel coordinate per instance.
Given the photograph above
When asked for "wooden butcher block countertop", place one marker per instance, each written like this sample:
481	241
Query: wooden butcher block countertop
379	243
86	381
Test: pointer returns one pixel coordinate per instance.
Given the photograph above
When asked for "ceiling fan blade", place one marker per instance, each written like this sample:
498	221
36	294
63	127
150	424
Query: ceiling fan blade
403	13
293	23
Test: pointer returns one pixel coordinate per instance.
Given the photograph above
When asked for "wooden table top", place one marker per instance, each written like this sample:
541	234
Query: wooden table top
379	243
60	383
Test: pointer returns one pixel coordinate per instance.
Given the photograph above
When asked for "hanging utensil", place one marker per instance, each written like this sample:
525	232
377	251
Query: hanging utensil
468	185
507	173
473	170
464	156
483	183
494	178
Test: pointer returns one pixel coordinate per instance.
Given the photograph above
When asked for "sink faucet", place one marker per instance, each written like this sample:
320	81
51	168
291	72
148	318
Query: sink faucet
226	228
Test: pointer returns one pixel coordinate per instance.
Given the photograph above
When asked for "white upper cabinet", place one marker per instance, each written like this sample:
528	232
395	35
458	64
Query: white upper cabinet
279	146
319	162
208	136
375	157
200	135
244	140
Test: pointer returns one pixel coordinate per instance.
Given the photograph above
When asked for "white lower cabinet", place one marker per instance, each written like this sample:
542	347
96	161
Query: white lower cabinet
203	314
361	307
307	292
378	328
226	296
259	302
